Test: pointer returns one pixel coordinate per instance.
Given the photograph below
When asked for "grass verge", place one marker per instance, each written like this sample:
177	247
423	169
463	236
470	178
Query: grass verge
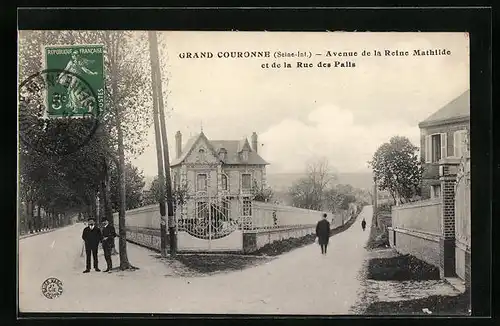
206	264
401	268
378	237
436	304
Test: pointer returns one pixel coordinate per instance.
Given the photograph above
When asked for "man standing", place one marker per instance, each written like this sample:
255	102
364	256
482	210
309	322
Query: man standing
91	236
108	234
323	233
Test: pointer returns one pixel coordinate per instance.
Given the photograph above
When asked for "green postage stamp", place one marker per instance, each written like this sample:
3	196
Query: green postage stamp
79	81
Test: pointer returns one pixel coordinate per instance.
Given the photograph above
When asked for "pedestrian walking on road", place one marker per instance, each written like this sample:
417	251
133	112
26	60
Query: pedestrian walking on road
108	239
323	233
363	224
92	237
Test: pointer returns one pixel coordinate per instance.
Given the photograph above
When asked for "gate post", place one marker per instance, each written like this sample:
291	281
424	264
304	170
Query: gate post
447	175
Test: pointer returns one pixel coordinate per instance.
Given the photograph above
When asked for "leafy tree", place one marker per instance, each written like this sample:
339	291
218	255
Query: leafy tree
179	193
127	105
134	184
397	169
261	193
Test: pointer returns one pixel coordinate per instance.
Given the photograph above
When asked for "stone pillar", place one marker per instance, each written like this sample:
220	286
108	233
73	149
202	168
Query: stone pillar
447	176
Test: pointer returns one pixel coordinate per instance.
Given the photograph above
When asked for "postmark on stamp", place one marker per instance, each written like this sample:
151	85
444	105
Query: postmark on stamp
52	288
71	128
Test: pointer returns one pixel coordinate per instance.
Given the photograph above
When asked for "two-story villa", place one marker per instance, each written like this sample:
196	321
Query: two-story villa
442	135
215	169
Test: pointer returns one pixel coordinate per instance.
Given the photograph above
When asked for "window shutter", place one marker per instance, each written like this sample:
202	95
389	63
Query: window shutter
463	143
456	143
444	145
428	149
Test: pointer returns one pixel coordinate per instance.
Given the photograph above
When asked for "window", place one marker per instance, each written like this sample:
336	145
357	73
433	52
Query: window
435	147
224	182
436	191
222	154
247	207
459	143
244	155
201	154
246	181
201	182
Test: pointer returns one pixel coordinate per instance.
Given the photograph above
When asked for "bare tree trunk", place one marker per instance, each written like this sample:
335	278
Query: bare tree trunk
107	194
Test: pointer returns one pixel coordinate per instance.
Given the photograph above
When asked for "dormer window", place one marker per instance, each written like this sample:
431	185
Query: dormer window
244	155
222	154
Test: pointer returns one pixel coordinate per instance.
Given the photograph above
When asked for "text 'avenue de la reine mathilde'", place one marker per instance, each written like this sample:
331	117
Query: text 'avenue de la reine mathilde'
300	59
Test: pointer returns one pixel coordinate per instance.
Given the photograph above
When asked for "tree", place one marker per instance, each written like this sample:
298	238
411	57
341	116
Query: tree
179	193
134	184
397	169
261	193
308	192
127	112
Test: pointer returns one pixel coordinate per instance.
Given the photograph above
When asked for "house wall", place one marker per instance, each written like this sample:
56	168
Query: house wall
431	170
449	129
234	176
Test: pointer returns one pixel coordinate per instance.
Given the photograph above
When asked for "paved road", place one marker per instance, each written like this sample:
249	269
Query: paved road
299	282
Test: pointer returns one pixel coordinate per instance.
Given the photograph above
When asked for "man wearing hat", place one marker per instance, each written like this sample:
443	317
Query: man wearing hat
108	234
91	236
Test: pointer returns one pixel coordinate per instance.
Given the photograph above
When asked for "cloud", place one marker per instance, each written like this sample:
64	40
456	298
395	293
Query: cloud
343	114
330	132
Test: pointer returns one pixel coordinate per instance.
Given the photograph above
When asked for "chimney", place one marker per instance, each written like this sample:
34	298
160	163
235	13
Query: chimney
255	143
178	143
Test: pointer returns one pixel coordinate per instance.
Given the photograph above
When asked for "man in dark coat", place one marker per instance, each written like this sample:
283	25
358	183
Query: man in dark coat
323	233
108	239
91	236
363	224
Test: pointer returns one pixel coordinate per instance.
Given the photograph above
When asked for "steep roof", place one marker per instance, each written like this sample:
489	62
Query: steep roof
458	109
233	148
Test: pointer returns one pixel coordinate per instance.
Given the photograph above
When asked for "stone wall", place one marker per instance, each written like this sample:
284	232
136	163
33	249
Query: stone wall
266	215
422	245
416	229
423	216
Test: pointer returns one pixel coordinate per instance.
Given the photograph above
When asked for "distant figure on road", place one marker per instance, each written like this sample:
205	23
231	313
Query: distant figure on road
108	239
91	236
323	233
363	224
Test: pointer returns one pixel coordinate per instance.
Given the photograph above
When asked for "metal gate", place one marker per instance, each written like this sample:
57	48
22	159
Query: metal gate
209	218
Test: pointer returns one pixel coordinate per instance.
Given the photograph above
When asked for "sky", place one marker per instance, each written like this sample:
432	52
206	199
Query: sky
299	114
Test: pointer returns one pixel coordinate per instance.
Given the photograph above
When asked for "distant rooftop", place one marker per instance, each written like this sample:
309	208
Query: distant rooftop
456	110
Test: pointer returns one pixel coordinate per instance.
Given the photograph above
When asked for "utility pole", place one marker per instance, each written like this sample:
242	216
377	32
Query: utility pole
159	158
166	159
375	200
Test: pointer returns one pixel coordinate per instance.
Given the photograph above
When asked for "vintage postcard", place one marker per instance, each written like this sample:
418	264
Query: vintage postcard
244	172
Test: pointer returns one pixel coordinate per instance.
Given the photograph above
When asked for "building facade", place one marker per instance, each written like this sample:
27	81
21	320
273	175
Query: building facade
443	135
222	170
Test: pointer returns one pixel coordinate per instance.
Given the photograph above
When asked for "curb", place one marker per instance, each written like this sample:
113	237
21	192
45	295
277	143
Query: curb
456	283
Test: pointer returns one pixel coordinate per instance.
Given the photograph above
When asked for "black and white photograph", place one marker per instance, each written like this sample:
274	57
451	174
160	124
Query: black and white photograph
236	172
